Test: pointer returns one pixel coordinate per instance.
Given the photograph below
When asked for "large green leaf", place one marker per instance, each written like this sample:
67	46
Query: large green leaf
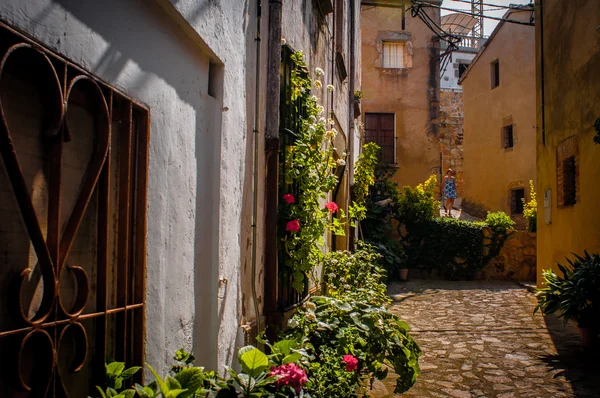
115	368
191	379
254	362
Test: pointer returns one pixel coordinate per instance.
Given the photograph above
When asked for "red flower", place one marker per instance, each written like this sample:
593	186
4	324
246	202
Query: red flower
289	198
291	375
332	207
293	226
351	362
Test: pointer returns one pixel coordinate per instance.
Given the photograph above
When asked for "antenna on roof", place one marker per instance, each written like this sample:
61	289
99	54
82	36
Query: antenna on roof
477	11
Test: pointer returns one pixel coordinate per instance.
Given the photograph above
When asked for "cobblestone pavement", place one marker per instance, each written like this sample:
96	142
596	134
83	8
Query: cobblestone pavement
480	339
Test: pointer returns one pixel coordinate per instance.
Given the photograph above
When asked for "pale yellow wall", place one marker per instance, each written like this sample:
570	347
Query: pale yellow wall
408	95
490	171
572	104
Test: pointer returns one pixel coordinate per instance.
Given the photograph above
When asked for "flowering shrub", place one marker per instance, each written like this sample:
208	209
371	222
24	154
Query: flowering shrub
275	375
364	178
351	337
289	375
530	209
351	362
309	168
418	204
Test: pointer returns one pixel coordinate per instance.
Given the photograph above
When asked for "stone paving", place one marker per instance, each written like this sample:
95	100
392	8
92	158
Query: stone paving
480	339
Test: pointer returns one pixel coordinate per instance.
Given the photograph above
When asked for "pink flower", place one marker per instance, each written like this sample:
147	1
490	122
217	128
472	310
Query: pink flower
289	198
332	207
351	362
290	375
292	226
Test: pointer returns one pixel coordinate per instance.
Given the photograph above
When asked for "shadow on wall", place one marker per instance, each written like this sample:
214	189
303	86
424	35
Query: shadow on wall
144	50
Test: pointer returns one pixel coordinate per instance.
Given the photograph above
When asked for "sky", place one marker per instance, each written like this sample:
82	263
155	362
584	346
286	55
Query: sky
488	24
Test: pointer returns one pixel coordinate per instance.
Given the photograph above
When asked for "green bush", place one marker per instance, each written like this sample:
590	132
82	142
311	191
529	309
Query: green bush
453	247
499	221
353	322
418	204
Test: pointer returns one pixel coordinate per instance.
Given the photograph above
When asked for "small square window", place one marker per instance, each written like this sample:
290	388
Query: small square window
393	55
462	68
495	73
569	181
517	196
508	137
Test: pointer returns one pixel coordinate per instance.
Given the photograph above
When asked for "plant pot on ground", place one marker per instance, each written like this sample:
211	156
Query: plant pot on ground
575	295
403	274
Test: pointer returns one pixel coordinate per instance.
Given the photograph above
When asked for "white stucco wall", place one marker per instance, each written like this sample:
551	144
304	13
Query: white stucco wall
197	148
449	74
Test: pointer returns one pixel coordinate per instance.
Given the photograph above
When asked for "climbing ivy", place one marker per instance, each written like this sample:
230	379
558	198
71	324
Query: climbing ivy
364	178
310	169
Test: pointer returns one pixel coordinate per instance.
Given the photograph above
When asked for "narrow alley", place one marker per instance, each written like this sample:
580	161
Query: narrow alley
481	339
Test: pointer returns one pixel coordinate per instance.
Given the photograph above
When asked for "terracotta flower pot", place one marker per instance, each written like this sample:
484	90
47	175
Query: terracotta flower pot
589	337
403	274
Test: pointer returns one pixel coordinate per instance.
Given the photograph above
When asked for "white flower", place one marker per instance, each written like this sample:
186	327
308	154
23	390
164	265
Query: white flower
309	305
347	287
334	261
330	87
312	119
330	122
320	109
329	134
331	275
322	120
334	132
283	41
292	323
319	71
314	97
318	84
310	316
341	162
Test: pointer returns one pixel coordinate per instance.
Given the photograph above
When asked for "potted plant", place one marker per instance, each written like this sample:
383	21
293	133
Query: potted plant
575	295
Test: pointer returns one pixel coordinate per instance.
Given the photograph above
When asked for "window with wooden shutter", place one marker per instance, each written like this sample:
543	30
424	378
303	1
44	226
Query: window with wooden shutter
495	73
379	128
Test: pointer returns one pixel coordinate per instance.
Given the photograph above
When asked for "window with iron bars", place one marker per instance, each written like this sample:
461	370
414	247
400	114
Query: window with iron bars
73	182
379	128
290	124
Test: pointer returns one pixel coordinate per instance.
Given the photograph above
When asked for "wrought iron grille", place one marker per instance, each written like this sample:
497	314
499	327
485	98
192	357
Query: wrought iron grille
290	125
72	203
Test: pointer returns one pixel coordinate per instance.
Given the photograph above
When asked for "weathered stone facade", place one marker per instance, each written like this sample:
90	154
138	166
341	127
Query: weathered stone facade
516	260
451	134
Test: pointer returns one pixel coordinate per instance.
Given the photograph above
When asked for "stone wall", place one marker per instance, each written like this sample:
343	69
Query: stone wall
516	260
451	134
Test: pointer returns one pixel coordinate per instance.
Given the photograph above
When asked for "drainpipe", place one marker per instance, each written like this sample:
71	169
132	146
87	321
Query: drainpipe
352	88
255	165
272	165
542	72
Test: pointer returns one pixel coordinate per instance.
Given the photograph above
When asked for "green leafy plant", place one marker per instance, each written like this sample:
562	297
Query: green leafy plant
310	164
115	375
364	179
530	209
418	204
575	294
358	94
352	323
499	221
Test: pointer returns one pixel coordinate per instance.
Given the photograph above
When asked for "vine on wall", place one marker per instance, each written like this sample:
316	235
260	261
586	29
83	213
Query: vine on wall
310	166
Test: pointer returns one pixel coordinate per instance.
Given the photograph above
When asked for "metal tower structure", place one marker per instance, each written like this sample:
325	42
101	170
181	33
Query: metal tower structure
477	11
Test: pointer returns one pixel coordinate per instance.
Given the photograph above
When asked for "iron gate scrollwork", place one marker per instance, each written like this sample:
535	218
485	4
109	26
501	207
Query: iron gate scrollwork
73	195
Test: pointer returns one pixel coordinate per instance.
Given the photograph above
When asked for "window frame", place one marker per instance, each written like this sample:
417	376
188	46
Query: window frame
516	201
495	73
508	136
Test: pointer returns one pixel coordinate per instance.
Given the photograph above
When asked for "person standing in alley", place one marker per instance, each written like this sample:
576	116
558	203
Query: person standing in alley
449	190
